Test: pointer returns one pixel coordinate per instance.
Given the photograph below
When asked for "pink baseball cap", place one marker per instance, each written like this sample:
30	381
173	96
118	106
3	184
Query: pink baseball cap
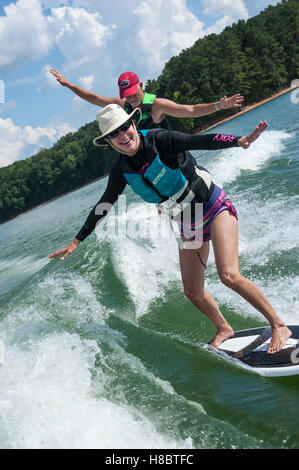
127	83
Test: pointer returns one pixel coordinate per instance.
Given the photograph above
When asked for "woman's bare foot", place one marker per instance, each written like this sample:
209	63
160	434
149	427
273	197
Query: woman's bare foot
221	336
279	338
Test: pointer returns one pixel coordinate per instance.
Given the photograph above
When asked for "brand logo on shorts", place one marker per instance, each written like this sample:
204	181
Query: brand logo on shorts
125	83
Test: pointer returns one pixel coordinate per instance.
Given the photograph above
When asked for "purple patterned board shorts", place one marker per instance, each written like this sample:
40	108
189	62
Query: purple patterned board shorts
201	229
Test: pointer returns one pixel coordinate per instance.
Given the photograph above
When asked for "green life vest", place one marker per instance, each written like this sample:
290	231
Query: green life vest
146	121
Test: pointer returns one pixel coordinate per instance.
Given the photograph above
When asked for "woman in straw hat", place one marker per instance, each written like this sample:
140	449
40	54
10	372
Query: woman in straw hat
158	167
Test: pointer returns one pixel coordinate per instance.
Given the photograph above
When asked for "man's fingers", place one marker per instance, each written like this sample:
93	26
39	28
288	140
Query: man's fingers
235	97
235	100
58	76
238	98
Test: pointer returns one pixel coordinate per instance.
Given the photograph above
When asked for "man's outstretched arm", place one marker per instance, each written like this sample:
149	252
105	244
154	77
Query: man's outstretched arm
163	107
86	94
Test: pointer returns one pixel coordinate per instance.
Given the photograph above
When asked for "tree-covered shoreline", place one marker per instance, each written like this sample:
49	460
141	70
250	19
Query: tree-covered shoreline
257	58
72	162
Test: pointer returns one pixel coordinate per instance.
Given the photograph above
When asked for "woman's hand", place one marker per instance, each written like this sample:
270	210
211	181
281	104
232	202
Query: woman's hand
246	141
67	250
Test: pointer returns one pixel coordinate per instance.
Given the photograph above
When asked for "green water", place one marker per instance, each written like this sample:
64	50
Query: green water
104	351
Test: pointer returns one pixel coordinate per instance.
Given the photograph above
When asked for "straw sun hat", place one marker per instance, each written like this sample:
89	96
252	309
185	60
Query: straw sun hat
111	118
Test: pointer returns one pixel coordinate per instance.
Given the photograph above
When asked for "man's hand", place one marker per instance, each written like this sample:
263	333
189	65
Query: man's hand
85	94
67	250
232	102
60	78
246	141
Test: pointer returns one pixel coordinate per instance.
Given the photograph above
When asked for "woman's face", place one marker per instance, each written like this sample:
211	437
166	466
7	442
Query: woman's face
127	141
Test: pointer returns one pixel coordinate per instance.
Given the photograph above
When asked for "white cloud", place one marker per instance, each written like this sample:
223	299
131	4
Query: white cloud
234	8
23	35
163	32
17	142
219	25
79	35
87	81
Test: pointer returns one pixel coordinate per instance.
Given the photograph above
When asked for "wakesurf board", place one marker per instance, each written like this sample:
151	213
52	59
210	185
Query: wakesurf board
248	349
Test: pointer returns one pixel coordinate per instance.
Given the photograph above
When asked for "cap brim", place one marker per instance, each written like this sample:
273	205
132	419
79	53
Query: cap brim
123	93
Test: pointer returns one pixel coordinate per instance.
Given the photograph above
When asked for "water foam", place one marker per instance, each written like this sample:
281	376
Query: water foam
268	227
228	165
284	300
48	398
47	401
146	266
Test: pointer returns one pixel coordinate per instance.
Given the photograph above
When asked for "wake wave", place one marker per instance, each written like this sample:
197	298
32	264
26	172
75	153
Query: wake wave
228	166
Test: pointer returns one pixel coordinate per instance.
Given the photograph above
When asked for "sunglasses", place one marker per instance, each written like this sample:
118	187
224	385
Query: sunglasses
122	128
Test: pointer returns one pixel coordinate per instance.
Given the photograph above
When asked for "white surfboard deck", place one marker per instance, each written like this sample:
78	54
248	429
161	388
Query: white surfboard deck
281	364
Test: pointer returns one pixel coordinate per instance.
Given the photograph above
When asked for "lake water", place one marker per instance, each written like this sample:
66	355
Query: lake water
104	350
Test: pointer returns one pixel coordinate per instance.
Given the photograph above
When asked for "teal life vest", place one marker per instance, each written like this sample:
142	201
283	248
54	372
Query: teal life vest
146	121
158	183
167	187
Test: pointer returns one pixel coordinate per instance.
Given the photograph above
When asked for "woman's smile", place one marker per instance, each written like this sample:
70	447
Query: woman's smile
127	141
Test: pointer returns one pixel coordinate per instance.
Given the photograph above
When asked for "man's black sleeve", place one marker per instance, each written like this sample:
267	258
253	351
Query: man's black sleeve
116	185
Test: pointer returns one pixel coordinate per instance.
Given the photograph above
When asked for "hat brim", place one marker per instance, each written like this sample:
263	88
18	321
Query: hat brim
116	126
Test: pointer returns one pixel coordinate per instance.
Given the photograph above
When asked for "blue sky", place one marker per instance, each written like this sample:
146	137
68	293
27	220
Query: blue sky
91	42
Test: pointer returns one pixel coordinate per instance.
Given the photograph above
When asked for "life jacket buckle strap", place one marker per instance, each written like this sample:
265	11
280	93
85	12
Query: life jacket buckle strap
173	207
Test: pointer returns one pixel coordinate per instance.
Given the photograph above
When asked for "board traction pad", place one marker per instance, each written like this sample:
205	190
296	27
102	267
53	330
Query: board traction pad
258	358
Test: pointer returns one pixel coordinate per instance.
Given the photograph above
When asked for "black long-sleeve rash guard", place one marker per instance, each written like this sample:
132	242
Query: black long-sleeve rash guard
169	144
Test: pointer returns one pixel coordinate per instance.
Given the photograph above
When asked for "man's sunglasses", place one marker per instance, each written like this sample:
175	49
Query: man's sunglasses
122	128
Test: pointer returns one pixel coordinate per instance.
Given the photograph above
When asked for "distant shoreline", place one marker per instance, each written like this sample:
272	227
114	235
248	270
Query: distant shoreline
246	109
53	199
197	131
